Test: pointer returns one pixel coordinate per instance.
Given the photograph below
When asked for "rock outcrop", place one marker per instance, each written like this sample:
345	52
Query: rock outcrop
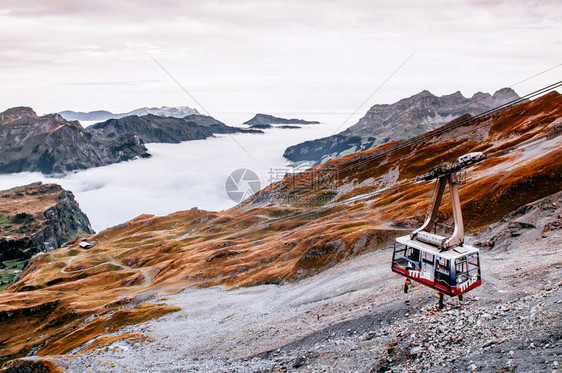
152	128
404	119
102	115
52	145
266	119
38	217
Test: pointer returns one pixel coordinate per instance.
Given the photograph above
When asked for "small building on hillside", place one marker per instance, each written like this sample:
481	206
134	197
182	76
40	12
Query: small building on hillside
84	244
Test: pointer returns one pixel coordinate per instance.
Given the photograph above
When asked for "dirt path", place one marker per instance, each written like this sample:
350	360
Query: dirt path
148	279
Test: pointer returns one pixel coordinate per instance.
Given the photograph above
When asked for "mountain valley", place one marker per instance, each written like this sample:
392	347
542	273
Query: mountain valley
313	248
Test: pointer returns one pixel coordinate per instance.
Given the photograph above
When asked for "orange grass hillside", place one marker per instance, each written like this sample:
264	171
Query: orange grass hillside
288	231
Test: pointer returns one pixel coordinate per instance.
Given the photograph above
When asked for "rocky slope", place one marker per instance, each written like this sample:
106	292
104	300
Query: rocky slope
51	144
288	244
38	217
152	128
266	119
354	317
102	115
404	119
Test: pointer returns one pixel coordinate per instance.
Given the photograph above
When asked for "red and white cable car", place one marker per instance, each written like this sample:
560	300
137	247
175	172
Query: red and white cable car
445	264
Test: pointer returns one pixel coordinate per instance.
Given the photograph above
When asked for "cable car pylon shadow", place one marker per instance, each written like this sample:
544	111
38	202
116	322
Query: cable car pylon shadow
442	263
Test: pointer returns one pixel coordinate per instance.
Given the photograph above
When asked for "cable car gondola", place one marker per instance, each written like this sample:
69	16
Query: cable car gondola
445	264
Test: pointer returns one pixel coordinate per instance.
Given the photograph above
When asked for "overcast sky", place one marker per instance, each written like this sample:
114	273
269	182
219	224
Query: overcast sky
268	56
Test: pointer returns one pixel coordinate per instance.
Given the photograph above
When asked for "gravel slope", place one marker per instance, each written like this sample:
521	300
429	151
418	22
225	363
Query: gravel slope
354	317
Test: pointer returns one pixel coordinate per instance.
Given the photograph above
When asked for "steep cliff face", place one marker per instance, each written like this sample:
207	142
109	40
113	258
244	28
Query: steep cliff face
51	144
65	221
152	128
38	217
404	119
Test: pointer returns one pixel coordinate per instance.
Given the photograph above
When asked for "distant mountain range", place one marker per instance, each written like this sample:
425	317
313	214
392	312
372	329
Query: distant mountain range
152	128
102	115
401	120
51	144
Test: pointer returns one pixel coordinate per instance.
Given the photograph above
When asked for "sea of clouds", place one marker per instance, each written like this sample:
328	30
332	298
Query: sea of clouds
181	176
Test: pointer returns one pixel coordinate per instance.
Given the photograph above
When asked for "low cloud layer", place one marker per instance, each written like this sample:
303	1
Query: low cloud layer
179	176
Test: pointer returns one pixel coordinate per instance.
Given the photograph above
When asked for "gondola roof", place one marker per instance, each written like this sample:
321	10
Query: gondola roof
453	253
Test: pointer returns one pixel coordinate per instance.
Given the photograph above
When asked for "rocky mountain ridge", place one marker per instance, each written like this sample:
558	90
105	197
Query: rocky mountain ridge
152	128
103	115
401	120
52	145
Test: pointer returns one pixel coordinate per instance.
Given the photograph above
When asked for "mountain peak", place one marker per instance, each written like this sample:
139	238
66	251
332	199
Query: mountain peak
480	96
424	93
456	95
16	113
506	94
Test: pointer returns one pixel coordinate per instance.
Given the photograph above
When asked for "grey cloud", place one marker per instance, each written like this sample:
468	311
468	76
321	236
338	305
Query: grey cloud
292	46
113	83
